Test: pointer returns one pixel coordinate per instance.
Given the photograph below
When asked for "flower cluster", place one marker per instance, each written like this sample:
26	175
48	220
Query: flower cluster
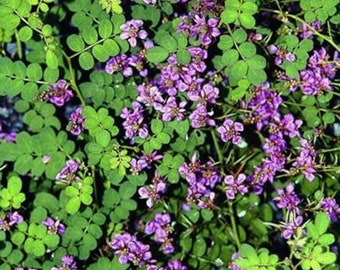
290	227
133	123
129	249
202	178
306	31
67	262
161	228
131	31
330	206
76	122
68	173
153	192
281	55
287	199
54	226
235	186
58	93
317	77
10	220
199	27
305	162
230	131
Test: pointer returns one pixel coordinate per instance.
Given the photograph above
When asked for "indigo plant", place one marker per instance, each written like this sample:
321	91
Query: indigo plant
169	135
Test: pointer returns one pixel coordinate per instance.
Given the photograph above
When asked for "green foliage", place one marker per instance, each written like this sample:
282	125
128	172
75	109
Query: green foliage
12	195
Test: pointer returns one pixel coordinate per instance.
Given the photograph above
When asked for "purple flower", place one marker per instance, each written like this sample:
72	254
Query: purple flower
330	206
235	186
68	173
76	122
133	123
198	56
230	131
54	227
150	96
153	192
129	249
119	63
160	227
150	2
14	218
287	199
305	162
232	264
175	265
173	110
131	31
208	94
307	32
58	94
8	136
281	55
200	117
291	227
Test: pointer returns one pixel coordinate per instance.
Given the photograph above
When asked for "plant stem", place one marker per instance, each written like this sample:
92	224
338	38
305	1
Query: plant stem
73	79
230	204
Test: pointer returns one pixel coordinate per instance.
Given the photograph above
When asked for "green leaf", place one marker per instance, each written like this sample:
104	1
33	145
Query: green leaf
326	239
14	185
25	33
51	59
183	57
229	16
247	21
73	205
71	191
326	258
75	43
9	21
90	35
239	36
111	47
322	222
99	52
127	190
199	247
48	201
249	8
86	198
103	138
247	49
328	118
225	43
38	248
156	126
105	28
157	54
86	60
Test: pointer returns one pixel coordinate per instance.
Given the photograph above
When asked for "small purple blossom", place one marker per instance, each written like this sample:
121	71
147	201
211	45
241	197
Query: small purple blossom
76	122
129	249
161	229
54	226
307	32
153	192
230	131
58	94
305	162
133	123
172	109
287	199
68	263
119	63
235	186
291	227
131	31
68	173
330	206
281	55
200	117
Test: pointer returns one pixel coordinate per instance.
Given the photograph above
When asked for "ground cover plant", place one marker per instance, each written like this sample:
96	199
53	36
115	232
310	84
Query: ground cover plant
169	134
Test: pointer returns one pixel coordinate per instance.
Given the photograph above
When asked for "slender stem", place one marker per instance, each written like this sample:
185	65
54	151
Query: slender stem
73	79
296	18
230	204
233	225
18	42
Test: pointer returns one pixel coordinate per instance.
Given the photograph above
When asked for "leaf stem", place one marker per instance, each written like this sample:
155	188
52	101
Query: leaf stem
73	79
